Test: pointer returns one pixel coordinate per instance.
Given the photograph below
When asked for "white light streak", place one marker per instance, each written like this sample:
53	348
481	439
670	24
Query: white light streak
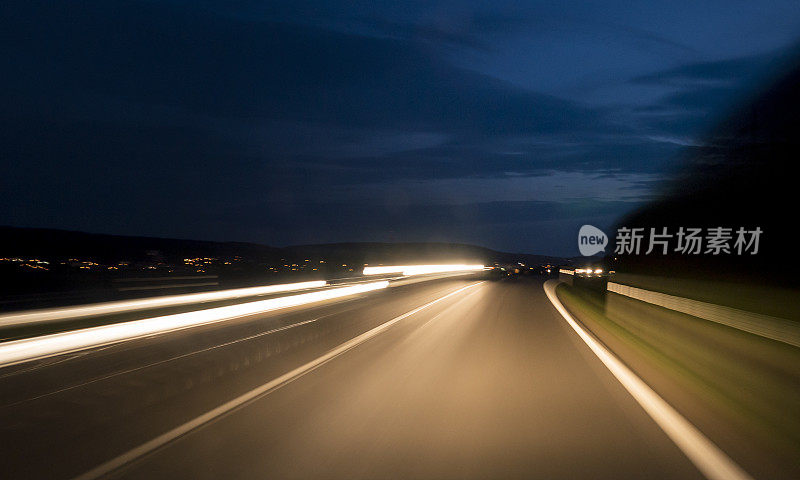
67	313
19	351
409	270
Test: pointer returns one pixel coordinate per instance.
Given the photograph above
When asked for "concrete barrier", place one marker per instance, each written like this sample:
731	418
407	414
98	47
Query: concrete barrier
774	328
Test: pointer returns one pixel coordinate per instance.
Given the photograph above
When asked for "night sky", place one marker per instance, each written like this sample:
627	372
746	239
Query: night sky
299	122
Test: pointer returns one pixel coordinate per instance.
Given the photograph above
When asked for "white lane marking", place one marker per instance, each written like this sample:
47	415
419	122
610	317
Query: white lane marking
705	455
266	388
19	351
67	313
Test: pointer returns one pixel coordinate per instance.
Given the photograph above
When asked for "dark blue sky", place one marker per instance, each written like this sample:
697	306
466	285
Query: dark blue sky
310	122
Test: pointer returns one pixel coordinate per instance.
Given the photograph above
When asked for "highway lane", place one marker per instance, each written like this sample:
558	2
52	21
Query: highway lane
77	410
487	383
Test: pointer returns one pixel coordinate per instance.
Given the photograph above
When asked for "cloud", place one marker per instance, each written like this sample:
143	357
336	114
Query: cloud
696	95
224	67
180	117
730	72
271	107
277	93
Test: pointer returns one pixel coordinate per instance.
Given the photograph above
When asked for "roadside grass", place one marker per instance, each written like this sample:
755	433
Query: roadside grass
750	385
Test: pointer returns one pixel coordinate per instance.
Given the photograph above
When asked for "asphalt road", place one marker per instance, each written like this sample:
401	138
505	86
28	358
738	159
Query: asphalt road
489	382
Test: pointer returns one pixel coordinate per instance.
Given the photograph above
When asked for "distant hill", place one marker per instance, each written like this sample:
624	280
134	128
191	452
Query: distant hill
64	244
405	253
40	242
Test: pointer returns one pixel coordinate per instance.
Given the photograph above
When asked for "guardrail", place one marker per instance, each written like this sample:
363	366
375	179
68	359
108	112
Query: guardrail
774	328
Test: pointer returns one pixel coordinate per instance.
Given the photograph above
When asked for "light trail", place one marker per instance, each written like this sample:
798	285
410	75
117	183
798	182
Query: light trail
409	270
19	351
68	313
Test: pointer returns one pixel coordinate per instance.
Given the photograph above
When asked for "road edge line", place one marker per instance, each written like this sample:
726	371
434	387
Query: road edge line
181	430
702	452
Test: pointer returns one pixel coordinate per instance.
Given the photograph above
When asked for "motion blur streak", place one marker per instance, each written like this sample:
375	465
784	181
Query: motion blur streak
67	313
171	435
706	456
421	269
34	348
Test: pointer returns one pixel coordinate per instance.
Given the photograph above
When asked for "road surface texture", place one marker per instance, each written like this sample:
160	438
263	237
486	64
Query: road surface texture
488	382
